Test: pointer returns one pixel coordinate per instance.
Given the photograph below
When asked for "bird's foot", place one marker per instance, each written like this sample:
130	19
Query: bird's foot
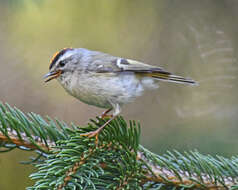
105	114
96	132
93	134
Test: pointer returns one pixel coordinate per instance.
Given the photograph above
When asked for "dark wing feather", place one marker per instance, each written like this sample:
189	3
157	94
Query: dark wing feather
108	64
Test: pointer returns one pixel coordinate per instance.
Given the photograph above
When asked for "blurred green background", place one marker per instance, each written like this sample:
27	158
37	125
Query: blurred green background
192	38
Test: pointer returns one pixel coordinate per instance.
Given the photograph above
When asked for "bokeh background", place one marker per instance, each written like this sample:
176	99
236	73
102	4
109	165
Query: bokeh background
192	38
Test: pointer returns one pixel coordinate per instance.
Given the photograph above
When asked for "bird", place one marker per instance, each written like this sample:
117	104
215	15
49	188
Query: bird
106	81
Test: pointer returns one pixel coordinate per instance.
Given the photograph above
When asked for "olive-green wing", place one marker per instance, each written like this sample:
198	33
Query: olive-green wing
109	64
151	71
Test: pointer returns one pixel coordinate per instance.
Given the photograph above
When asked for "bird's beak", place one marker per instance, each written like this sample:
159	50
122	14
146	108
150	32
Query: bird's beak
52	75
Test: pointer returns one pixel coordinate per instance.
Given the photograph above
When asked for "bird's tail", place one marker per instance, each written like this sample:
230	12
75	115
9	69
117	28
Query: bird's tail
173	78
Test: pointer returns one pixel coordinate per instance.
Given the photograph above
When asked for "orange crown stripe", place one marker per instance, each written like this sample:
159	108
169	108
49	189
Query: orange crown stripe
57	55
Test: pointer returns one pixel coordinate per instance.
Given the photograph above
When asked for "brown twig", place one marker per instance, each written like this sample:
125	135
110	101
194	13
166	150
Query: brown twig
77	165
25	142
153	173
71	172
166	176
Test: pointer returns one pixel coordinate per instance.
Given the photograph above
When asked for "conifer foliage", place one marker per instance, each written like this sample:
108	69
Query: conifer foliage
66	160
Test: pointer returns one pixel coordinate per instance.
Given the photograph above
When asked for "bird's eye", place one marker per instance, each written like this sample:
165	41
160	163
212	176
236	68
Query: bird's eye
61	63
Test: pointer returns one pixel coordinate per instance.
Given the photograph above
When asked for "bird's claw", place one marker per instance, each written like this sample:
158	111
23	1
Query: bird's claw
96	132
105	116
92	134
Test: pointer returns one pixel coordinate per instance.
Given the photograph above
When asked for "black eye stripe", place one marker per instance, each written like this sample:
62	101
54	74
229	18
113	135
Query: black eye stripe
62	63
57	56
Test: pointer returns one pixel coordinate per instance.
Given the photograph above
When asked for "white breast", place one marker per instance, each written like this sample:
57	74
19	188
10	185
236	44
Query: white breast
105	89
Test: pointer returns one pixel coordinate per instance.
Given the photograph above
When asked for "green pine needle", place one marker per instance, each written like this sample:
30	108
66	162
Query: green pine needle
66	160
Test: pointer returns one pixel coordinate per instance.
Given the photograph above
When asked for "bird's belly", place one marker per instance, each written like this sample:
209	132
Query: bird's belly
105	90
92	99
88	96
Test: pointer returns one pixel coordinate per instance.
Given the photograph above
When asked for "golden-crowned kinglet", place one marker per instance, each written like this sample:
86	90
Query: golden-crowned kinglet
104	80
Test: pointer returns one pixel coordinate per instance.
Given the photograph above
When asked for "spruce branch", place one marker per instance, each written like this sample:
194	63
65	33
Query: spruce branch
70	161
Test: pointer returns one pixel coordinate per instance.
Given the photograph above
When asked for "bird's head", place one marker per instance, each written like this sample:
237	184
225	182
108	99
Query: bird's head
61	63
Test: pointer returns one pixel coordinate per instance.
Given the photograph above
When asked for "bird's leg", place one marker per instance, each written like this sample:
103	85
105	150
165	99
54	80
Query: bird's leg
96	132
104	114
116	108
